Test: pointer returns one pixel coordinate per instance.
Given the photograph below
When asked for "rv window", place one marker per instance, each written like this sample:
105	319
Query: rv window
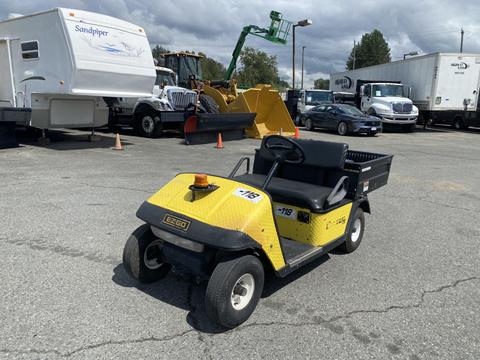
30	50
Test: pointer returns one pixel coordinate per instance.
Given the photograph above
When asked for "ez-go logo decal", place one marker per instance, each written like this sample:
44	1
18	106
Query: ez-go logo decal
248	195
176	222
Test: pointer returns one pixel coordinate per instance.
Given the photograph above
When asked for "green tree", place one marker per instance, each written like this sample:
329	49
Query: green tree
157	51
371	50
212	69
257	67
323	84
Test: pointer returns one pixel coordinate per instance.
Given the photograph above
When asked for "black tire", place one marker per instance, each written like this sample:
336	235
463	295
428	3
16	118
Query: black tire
372	133
135	256
222	283
408	128
148	124
209	104
342	128
458	123
352	238
309	124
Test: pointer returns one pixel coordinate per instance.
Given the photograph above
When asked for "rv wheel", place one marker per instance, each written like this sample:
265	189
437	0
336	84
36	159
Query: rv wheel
142	256
234	290
148	124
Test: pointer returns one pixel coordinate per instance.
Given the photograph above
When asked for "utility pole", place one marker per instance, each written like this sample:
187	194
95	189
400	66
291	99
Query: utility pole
354	54
461	40
303	55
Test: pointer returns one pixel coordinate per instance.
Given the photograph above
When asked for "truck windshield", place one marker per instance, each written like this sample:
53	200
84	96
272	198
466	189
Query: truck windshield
165	78
318	97
387	90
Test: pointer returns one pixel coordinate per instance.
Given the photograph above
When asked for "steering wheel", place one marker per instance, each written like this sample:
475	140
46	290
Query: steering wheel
284	149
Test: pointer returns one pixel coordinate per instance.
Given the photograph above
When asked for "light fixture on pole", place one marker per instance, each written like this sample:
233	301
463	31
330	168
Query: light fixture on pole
301	23
303	57
411	53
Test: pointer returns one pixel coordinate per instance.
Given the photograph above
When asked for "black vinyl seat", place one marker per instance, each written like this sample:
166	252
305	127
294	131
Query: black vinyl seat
290	192
316	184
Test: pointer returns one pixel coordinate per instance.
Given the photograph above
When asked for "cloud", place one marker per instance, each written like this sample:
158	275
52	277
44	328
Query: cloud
213	26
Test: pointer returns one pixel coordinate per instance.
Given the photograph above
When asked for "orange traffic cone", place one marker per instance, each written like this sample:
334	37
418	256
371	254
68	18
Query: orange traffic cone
297	133
219	141
118	143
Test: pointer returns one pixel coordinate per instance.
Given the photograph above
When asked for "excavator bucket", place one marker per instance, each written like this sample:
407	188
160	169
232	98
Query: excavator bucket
272	114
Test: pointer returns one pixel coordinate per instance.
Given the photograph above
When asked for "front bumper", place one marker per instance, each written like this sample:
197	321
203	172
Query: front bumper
399	119
363	128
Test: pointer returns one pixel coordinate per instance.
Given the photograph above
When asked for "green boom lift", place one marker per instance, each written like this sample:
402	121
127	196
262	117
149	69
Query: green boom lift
276	33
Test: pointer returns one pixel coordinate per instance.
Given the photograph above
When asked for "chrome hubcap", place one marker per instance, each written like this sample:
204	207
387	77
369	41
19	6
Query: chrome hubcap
357	228
148	124
242	291
151	256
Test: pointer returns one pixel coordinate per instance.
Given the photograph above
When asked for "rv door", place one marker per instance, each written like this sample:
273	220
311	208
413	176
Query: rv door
7	86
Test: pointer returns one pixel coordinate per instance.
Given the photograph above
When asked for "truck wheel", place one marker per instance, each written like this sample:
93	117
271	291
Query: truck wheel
342	128
234	290
354	234
209	104
142	256
458	123
309	125
408	128
148	124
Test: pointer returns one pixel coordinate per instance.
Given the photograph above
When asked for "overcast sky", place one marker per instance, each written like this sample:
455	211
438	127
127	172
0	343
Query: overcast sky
213	27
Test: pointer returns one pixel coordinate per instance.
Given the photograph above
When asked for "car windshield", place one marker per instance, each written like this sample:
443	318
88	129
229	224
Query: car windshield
349	110
318	97
165	78
387	90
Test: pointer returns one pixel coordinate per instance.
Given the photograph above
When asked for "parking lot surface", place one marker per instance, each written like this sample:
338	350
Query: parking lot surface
411	291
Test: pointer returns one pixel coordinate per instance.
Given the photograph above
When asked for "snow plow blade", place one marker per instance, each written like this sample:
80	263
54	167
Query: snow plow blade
272	114
203	128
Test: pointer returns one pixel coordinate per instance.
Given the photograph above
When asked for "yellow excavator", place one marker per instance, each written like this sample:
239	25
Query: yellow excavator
272	116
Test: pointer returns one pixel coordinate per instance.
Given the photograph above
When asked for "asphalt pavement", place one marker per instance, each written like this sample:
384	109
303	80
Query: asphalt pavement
411	291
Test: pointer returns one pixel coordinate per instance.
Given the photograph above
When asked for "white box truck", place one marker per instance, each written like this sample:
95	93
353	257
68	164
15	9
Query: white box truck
57	66
444	86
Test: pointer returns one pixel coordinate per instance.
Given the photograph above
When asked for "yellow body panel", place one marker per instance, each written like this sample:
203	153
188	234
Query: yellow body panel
224	209
322	229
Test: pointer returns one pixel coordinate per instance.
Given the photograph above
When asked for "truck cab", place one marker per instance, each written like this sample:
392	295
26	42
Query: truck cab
308	99
164	109
390	102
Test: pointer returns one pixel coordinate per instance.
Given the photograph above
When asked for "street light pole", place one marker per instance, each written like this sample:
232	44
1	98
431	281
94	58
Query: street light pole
303	56
301	23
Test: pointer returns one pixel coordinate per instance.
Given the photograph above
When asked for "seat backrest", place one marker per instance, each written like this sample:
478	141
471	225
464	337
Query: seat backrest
319	154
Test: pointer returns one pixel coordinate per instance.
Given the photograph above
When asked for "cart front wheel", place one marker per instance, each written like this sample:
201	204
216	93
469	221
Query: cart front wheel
234	290
354	234
142	256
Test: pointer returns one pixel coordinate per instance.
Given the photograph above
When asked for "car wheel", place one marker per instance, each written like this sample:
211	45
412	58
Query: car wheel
298	120
149	125
309	124
234	290
354	234
342	128
458	123
142	256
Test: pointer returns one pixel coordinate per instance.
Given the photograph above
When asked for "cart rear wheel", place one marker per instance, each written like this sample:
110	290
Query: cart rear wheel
354	234
234	290
142	256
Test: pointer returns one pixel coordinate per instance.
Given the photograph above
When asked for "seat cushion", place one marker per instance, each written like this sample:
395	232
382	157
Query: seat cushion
290	192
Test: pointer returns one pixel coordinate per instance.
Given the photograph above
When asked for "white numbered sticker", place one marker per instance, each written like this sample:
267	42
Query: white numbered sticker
286	212
248	195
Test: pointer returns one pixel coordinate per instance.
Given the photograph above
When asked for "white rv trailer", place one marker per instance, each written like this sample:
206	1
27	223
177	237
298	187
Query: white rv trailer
57	66
444	86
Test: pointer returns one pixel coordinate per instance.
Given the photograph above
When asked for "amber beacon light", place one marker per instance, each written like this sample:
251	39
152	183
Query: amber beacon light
201	181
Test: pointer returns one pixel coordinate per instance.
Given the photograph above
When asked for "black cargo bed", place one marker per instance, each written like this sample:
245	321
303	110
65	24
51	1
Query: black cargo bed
367	171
